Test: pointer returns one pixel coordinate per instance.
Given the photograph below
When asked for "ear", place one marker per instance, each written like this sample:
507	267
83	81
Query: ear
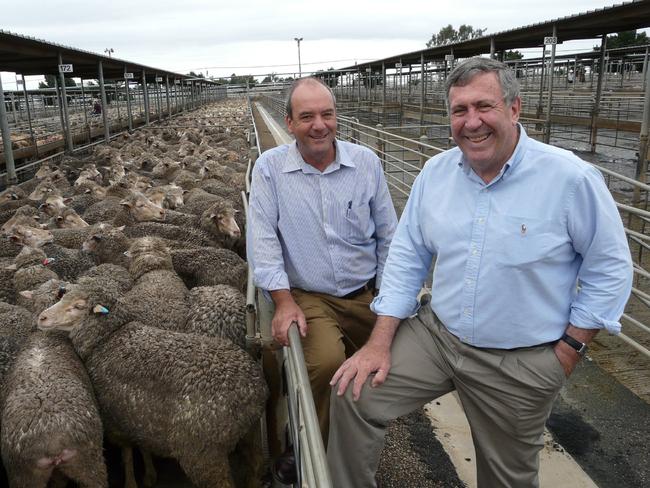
29	294
126	203
67	200
100	309
11	267
59	218
121	227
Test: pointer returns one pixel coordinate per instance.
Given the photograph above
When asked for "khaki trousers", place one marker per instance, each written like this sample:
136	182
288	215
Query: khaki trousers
337	327
507	396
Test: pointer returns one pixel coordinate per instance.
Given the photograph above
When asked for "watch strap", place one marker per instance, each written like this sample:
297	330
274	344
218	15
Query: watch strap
580	347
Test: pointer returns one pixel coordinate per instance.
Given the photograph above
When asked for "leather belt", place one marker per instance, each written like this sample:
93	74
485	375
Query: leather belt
368	286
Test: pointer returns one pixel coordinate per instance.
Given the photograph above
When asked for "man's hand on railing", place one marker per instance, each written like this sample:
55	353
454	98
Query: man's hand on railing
287	311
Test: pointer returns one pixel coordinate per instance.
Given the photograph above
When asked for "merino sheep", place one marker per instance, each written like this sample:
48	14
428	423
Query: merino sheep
210	266
31	269
191	390
218	311
67	219
12	193
42	297
25	215
50	420
16	322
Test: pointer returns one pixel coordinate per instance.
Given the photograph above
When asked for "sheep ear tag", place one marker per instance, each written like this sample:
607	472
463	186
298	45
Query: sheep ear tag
100	310
47	261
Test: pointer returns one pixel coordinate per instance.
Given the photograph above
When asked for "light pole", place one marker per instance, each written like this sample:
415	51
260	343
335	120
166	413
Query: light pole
108	51
298	39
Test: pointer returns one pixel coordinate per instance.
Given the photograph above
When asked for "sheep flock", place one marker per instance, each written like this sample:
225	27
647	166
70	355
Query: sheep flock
122	311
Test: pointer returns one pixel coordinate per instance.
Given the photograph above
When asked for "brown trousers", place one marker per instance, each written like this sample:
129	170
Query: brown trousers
337	327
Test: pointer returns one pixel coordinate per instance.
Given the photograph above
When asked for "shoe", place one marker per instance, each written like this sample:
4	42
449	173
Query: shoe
284	468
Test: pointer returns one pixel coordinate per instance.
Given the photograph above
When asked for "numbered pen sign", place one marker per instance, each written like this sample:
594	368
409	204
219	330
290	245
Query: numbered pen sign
158	79
550	41
398	65
177	82
128	76
188	82
449	57
65	68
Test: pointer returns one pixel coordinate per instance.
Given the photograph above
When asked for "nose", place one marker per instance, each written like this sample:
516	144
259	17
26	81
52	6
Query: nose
473	119
318	123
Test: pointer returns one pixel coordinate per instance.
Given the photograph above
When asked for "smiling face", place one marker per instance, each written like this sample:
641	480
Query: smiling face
313	123
482	125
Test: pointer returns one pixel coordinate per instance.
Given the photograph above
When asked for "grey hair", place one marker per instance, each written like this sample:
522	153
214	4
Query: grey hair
462	74
299	82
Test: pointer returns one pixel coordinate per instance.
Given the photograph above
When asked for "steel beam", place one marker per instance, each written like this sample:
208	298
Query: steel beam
102	92
64	100
6	140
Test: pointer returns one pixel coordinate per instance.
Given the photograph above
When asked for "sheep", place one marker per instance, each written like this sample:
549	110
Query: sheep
183	236
74	238
191	390
67	263
158	296
50	419
134	208
42	297
53	205
16	322
43	190
12	193
166	196
25	215
67	219
209	266
108	245
7	290
31	269
218	311
30	236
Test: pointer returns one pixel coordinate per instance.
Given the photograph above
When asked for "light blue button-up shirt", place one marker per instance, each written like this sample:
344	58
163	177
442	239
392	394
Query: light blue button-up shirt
327	232
541	246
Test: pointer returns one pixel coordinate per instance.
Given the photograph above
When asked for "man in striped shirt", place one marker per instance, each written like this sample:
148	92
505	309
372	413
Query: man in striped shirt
321	221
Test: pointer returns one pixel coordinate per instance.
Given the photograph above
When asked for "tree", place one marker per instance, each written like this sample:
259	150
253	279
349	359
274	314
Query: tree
449	35
625	39
49	82
512	56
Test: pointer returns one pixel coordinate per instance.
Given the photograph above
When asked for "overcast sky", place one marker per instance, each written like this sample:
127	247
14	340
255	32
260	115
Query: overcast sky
255	36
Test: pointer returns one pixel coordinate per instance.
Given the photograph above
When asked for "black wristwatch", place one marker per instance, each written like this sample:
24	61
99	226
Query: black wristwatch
580	347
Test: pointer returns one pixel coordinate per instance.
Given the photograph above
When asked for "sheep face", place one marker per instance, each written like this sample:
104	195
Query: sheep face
67	313
54	204
224	219
70	220
12	193
43	191
164	168
43	171
18	219
30	236
142	209
42	297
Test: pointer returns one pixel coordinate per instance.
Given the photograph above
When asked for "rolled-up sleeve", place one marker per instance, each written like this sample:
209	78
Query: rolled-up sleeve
605	275
407	264
263	245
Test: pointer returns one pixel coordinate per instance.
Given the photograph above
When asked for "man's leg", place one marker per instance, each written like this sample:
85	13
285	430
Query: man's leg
507	397
418	374
323	349
356	320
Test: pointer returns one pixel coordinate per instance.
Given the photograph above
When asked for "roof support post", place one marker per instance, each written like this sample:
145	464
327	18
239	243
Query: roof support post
383	92
145	97
492	48
102	93
423	78
642	163
645	66
541	85
159	97
549	102
6	140
29	118
64	104
85	110
169	110
599	91
60	105
129	112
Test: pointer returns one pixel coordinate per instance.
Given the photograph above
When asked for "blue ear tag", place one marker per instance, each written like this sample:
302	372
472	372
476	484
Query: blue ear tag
100	309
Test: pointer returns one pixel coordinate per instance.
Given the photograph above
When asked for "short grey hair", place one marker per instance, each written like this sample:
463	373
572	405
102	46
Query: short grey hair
462	74
302	81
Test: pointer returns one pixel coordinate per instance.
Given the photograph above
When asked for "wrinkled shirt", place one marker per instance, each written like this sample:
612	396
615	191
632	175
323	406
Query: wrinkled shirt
325	232
541	246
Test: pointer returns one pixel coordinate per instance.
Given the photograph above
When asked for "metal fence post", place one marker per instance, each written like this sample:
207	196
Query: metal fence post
6	140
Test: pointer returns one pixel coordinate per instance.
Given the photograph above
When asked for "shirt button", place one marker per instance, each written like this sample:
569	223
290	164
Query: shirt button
467	311
481	220
468	281
474	252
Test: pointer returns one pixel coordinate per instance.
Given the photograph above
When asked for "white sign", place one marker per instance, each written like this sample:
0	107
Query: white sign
368	70
449	57
550	40
158	79
128	76
65	68
188	82
398	65
177	82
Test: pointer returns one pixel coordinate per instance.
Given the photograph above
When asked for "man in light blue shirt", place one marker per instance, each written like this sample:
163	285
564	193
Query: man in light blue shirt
531	262
321	221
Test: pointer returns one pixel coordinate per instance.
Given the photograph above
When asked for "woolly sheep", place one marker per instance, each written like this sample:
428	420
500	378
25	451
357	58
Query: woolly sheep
211	393
42	297
17	217
67	219
210	266
31	269
50	420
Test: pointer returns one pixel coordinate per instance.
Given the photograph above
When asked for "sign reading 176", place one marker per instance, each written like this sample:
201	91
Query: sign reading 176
65	68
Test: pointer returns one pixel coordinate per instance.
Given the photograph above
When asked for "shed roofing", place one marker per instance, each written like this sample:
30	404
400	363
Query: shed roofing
588	25
30	56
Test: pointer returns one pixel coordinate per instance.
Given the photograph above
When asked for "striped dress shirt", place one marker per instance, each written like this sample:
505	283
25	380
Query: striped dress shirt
325	232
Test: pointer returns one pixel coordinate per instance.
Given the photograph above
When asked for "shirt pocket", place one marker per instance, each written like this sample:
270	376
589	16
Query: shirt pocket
356	227
526	241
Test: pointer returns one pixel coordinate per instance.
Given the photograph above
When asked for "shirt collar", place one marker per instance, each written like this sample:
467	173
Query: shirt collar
511	164
295	162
